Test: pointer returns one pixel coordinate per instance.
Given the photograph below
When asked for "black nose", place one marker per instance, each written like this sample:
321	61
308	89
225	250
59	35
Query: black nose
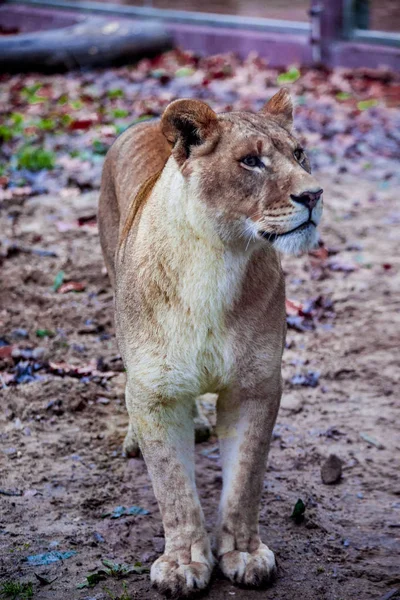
309	199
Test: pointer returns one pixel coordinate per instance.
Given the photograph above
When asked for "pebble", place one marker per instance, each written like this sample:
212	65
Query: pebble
331	470
38	353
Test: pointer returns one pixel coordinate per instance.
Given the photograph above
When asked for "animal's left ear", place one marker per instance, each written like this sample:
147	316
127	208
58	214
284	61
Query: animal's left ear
191	126
280	106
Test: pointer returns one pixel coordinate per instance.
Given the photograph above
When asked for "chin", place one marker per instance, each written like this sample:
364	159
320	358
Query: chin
297	242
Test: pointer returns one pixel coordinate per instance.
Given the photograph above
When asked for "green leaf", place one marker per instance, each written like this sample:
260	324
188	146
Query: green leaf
292	75
184	72
343	96
123	569
121	511
77	105
42	333
99	147
66	120
30	90
59	278
46	124
17	118
115	93
63	99
35	159
6	133
298	511
36	99
119	113
48	558
366	104
93	579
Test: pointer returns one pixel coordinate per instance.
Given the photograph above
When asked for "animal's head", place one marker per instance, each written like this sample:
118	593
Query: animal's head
249	170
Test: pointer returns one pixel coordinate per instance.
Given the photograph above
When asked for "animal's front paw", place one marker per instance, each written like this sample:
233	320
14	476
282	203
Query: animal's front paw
178	580
253	569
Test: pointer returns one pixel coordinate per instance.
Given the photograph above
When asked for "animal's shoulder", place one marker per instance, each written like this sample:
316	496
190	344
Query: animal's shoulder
141	150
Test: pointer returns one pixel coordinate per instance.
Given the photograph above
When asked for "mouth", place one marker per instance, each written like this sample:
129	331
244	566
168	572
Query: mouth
271	237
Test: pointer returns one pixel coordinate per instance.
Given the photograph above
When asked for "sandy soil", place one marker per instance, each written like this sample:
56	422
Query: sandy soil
61	433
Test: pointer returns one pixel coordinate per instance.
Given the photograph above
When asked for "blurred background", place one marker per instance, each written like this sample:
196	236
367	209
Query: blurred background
345	33
75	74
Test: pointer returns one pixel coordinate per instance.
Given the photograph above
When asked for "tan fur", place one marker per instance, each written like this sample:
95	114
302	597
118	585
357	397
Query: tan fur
199	297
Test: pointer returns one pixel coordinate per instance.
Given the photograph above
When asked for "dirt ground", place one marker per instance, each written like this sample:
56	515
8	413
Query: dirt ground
62	429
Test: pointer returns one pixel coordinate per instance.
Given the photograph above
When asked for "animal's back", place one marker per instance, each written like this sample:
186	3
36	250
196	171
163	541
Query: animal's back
142	150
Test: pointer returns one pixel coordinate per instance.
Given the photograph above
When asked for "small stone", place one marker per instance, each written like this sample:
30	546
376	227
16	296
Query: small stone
38	353
331	470
102	400
292	402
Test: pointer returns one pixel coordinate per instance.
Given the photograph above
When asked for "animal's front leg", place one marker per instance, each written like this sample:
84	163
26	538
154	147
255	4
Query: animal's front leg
166	437
245	419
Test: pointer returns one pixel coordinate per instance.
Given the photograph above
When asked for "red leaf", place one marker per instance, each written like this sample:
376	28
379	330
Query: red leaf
82	124
87	220
293	307
71	286
6	351
88	370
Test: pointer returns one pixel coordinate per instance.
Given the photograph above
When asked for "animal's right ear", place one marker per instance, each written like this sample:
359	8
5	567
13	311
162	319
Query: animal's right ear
190	125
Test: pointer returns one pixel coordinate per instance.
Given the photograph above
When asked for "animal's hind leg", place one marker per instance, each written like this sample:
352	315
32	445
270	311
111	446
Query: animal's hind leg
202	425
202	430
130	448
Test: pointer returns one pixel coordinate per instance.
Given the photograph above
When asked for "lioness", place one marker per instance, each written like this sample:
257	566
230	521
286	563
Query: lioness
193	210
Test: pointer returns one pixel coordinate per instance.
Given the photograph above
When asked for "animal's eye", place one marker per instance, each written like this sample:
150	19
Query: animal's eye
299	155
252	161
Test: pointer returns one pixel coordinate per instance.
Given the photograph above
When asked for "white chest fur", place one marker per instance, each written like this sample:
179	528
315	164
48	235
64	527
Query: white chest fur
201	280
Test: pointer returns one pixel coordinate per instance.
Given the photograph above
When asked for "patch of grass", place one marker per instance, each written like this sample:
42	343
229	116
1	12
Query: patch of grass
30	94
66	120
13	128
46	124
120	113
100	148
292	75
13	590
63	99
76	104
35	159
343	96
6	133
366	104
115	93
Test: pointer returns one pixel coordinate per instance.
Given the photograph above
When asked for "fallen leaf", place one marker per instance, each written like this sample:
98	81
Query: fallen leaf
71	286
370	440
293	307
42	333
48	558
58	280
298	512
121	511
6	351
44	580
